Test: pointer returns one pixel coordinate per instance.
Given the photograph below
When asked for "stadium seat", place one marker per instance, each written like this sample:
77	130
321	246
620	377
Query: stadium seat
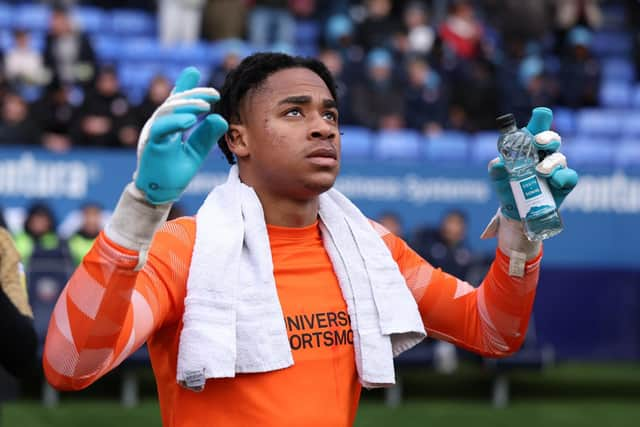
636	96
6	16
595	121
108	47
631	123
483	147
195	53
93	20
618	69
615	94
133	22
611	43
6	40
627	154
447	146
356	142
142	49
31	16
397	144
564	121
137	76
307	32
581	151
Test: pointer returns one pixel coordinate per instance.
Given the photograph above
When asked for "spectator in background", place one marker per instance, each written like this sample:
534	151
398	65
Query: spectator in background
224	19
446	246
68	53
580	71
633	14
80	242
392	222
38	233
420	36
23	66
104	114
18	337
56	114
179	21
340	36
271	22
379	25
474	98
17	126
425	98
461	32
158	91
378	101
334	62
520	20
232	58
538	85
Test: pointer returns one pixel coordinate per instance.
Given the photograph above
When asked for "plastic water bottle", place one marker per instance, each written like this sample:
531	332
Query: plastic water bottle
534	200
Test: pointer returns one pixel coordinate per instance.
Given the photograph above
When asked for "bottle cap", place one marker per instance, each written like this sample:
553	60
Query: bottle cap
506	121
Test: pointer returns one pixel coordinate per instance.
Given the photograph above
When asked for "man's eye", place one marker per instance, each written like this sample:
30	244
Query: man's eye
330	115
293	113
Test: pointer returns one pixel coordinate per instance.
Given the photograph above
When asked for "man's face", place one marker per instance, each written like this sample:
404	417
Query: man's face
290	129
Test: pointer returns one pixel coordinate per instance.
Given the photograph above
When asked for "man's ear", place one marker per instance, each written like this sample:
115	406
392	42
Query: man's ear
237	140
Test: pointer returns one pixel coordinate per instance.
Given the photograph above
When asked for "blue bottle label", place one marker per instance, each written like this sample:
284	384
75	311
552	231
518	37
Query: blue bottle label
530	194
530	187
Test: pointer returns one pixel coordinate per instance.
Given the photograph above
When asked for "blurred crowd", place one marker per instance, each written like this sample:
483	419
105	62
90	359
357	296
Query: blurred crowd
424	65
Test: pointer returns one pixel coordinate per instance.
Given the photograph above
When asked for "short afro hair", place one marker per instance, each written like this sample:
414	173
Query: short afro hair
250	74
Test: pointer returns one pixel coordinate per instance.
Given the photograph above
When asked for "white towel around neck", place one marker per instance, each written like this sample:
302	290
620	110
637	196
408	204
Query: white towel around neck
233	321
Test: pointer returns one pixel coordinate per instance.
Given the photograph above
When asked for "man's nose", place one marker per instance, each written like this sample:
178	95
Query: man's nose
322	129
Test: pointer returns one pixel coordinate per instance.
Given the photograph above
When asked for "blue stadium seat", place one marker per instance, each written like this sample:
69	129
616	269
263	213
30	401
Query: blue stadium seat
142	49
138	75
108	47
397	144
447	146
595	121
631	123
611	43
636	96
589	151
564	121
6	40
31	16
618	69
356	142
615	94
6	15
195	53
484	146
93	20
307	32
628	154
133	22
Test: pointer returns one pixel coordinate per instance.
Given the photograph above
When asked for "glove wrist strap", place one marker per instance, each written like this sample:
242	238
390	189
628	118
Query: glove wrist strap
135	221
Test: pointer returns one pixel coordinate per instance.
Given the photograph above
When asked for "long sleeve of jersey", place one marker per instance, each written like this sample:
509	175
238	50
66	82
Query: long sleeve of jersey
108	310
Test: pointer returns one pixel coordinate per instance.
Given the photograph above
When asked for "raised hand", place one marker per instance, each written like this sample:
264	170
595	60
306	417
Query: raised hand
552	166
167	158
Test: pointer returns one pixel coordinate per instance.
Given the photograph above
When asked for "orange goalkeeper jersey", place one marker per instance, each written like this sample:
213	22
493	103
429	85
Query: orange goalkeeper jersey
108	310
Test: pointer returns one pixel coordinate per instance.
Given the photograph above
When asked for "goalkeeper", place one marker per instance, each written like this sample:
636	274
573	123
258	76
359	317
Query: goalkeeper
278	301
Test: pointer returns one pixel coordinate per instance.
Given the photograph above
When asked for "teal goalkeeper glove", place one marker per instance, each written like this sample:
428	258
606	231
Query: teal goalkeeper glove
166	163
552	167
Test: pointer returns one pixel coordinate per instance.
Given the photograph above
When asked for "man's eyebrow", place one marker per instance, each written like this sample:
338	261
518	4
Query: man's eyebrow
306	99
299	99
329	103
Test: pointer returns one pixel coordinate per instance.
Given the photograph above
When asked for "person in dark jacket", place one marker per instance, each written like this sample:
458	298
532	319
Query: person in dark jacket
18	337
68	53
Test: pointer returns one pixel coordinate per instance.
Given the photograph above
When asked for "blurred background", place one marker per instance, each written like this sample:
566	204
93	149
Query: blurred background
420	84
